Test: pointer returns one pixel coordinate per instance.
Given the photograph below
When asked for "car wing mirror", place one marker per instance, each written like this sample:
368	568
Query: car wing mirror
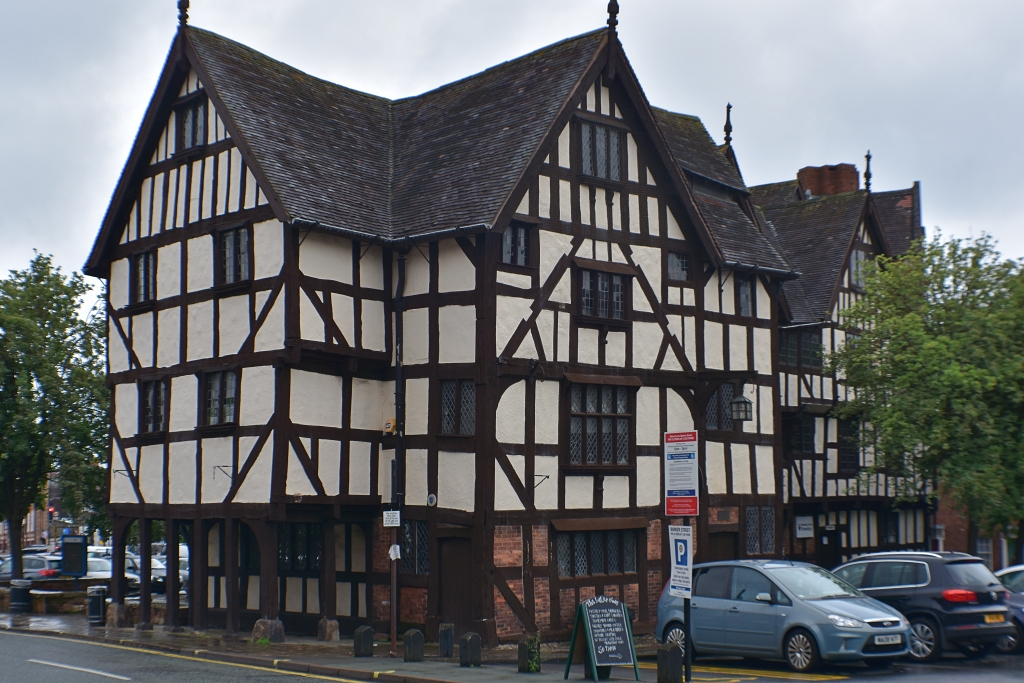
764	597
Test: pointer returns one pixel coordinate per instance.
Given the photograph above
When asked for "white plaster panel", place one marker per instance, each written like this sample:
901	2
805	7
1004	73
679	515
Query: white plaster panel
616	492
689	297
648	481
373	325
344	318
514	279
563	148
565	201
653	219
316	399
711	293
524	205
270	336
648	420
257	395
714	463
832	461
457	334
456	273
510	417
728	292
552	246
584	205
679	418
142	338
762	351
217	469
168	270
615	349
766	410
579	493
311	325
126	401
545	493
234	323
268	250
327	257
416	481
546	329
713	346
544	196
371	268
384	460
121	489
505	496
631	159
546	416
562	323
200	263
417	336
184	395
200	331
586	349
117	353
293	594
151	473
764	303
646	344
417	274
819	435
359	469
181	471
600	209
168	337
648	259
118	283
510	312
674	233
737	347
563	290
456	480
370	399
690	340
417	405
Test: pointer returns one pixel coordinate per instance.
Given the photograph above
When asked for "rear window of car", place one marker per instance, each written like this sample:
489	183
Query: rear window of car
712	582
887	574
98	565
54	564
972	574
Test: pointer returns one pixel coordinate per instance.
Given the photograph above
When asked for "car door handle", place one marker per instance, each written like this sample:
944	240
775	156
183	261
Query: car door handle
734	609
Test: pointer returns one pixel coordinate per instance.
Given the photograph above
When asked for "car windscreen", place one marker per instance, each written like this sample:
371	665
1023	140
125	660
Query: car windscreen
98	565
813	583
972	574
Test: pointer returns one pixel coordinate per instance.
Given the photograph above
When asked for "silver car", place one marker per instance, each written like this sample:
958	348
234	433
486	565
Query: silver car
777	609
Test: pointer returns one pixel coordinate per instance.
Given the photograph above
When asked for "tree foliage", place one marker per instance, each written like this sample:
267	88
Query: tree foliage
938	369
53	397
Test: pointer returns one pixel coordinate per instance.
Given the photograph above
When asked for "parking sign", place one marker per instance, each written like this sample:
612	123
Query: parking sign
680	540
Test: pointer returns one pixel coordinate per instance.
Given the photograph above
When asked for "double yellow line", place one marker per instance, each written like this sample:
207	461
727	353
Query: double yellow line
751	674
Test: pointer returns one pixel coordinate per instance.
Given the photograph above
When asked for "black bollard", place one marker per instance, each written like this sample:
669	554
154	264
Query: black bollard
446	641
469	650
21	599
362	642
670	663
413	644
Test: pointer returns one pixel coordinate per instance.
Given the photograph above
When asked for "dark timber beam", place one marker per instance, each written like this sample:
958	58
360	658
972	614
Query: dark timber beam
146	574
231	574
172	616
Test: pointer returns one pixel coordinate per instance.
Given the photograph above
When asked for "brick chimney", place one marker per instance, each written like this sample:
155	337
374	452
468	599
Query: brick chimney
822	180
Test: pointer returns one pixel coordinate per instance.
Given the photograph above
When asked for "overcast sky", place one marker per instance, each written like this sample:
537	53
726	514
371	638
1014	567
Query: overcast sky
934	88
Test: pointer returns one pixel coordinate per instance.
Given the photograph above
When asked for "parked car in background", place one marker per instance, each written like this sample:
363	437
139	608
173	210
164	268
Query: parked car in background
952	600
777	609
102	568
1013	579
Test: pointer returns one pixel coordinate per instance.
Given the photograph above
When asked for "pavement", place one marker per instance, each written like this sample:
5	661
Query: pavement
64	648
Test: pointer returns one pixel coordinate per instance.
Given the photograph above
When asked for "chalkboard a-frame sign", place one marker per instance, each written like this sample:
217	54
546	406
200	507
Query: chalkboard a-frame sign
602	637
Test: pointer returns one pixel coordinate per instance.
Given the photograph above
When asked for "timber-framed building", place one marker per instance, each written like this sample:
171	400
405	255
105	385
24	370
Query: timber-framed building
483	305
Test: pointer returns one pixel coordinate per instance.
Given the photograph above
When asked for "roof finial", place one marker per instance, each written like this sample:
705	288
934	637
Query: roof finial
182	12
728	124
613	14
867	171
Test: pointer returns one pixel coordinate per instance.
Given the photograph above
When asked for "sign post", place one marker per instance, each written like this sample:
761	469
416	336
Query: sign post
681	582
682	481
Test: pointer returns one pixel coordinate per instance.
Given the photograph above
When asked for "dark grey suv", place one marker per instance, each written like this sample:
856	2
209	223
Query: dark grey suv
952	600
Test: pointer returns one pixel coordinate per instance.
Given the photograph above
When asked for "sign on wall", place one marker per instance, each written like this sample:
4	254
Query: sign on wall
681	474
805	527
392	518
680	540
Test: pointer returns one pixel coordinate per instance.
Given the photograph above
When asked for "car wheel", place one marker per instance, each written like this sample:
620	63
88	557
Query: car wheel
675	635
924	640
1011	643
801	651
977	651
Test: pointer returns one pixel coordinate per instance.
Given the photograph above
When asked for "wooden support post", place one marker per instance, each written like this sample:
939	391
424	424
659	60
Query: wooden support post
172	617
198	571
117	583
268	571
146	574
231	574
328	575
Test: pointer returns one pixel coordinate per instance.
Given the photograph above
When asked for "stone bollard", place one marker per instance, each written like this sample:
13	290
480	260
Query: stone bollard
670	663
412	641
529	654
118	616
271	629
469	650
362	642
327	630
446	641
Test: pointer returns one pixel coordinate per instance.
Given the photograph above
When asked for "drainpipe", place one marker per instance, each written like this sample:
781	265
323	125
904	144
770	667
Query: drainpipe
398	470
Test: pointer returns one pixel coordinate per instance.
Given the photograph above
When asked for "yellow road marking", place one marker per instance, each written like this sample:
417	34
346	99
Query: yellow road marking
750	674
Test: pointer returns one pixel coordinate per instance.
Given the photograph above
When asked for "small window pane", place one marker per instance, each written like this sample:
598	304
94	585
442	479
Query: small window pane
602	295
618	298
607	441
576	440
408	539
580	553
678	267
591	440
622	436
230	396
576	400
213	398
606	399
601	147
614	552
508	241
243	254
422	547
468	419
629	550
727	396
767	530
448	406
753	531
522	251
587	284
228	255
591	399
586	133
711	414
622	405
597	552
746	303
613	155
564	553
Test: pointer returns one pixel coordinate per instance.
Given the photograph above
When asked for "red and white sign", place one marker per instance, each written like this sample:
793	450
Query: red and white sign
682	478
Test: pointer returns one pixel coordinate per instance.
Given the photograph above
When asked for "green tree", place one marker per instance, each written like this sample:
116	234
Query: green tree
938	373
53	399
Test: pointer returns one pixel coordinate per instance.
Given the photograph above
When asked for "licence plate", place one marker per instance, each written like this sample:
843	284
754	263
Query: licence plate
888	640
993	618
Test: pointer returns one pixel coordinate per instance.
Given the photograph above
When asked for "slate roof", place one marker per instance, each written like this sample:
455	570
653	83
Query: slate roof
900	214
393	169
815	236
772	194
694	150
737	237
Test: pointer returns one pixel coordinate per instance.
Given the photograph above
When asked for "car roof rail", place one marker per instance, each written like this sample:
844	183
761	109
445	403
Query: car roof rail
926	553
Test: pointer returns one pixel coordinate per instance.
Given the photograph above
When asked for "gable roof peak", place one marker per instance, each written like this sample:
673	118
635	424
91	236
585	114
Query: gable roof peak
613	16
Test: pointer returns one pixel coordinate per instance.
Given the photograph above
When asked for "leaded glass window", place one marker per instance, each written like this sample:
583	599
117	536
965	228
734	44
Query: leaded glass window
718	414
221	393
601	148
586	553
192	124
143	277
810	349
678	267
458	406
415	547
153	401
603	295
746	295
515	246
599	425
234	256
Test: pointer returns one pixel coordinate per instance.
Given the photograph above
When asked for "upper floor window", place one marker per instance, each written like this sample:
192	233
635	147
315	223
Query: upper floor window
192	124
810	349
152	400
603	295
221	391
679	267
143	286
800	434
858	259
515	246
599	425
584	553
233	256
849	446
789	349
719	414
745	291
602	151
458	406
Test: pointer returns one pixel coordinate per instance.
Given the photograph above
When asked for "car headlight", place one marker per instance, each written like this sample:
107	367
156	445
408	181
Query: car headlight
845	622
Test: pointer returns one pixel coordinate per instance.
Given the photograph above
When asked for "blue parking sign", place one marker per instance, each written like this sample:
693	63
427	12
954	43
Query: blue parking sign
681	543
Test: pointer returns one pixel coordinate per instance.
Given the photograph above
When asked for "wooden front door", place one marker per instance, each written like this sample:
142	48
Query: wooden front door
456	584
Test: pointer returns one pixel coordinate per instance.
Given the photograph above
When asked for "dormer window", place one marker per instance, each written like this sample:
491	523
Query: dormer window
745	289
192	124
602	151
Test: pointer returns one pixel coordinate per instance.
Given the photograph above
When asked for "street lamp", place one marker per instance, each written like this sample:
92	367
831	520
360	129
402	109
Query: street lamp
741	408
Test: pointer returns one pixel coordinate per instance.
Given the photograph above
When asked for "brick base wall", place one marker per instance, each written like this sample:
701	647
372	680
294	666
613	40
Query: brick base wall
413	605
